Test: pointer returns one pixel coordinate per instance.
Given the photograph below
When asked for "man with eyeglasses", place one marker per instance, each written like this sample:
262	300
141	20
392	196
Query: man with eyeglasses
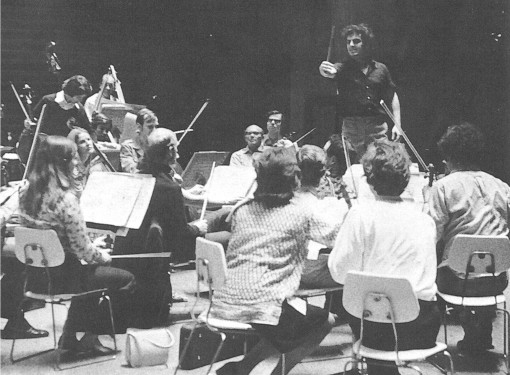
274	125
244	158
362	83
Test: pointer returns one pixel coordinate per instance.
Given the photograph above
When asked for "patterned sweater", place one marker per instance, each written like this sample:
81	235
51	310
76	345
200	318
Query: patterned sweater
60	210
265	258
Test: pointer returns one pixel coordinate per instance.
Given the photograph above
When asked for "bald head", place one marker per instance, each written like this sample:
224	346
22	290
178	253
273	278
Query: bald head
253	136
162	146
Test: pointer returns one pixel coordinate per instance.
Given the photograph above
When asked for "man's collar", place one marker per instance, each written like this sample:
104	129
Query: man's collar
60	99
247	150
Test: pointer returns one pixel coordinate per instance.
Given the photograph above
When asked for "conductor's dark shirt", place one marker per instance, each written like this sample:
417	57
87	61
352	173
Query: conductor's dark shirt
360	94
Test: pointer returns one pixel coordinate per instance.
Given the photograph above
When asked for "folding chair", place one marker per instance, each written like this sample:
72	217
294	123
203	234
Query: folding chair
386	299
41	248
211	268
476	255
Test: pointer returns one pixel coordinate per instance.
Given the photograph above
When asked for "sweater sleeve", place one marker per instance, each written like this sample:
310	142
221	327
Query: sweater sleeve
74	225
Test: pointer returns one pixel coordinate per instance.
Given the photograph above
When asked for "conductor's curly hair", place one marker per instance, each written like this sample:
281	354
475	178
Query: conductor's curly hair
386	165
463	144
367	36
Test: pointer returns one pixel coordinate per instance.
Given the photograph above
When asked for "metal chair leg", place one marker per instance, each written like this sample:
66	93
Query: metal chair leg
447	354
223	337
188	342
283	364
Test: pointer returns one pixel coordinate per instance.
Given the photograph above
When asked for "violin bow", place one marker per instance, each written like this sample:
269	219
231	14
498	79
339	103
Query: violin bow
304	136
404	135
20	102
195	119
34	142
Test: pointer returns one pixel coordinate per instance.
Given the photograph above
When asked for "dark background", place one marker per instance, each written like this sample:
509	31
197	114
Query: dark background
449	59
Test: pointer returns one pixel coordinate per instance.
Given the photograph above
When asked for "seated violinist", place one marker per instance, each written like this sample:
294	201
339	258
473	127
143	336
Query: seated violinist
311	162
166	209
132	150
103	128
48	202
390	236
468	201
245	156
85	162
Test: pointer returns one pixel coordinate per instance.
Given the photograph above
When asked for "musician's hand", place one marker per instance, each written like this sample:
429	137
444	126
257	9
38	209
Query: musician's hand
197	190
201	225
395	134
106	259
28	124
103	243
284	143
327	69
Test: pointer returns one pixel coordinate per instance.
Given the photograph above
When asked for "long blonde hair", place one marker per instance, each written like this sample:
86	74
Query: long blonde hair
52	169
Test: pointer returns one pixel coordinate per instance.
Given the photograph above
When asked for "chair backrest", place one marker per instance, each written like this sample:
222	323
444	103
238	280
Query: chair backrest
464	245
367	295
214	254
38	247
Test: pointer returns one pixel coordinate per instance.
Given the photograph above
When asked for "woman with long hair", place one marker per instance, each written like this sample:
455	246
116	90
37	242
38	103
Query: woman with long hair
49	202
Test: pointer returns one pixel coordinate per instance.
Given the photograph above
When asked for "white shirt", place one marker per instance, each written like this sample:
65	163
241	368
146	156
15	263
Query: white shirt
390	237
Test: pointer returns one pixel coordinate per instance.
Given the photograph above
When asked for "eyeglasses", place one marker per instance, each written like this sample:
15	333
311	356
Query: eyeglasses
252	133
276	121
172	146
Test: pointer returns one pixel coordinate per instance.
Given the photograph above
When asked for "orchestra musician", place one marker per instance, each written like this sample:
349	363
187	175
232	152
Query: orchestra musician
132	150
335	167
85	162
391	237
312	162
265	259
64	111
109	89
102	125
65	105
362	83
274	127
48	202
244	157
166	209
468	201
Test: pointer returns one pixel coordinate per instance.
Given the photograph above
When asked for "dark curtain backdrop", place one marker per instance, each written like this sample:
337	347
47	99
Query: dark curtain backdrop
449	59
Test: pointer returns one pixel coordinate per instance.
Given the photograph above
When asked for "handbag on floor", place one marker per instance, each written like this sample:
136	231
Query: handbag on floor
148	347
204	343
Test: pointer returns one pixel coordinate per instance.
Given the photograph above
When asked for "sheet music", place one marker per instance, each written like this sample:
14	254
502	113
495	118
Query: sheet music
112	198
230	183
199	167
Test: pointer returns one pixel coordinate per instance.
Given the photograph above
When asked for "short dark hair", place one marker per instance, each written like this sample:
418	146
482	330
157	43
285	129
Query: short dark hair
336	147
311	161
367	36
463	144
386	165
77	85
100	119
277	173
145	115
274	112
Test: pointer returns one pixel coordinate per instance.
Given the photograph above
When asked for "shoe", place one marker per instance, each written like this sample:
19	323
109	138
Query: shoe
22	330
92	344
71	344
473	348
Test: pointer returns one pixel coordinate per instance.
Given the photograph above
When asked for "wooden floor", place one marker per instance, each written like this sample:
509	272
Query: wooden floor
327	360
